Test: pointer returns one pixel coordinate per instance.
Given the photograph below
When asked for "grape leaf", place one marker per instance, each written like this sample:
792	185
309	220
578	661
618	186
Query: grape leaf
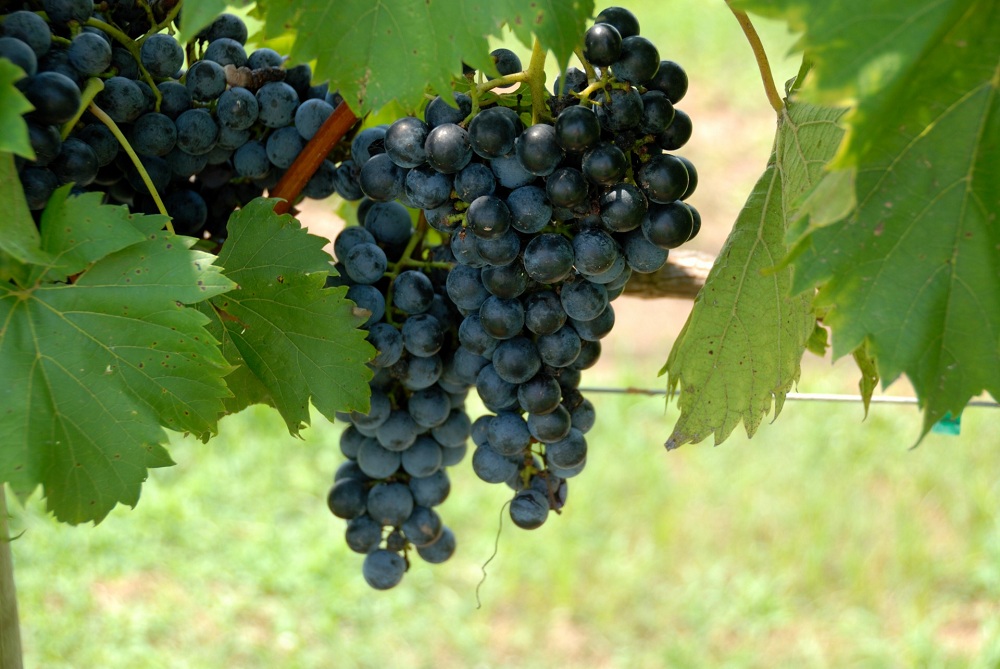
293	338
13	129
742	345
19	238
914	268
92	371
377	52
197	15
868	367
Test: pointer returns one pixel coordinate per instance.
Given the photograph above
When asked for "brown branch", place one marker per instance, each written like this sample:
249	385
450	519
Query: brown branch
311	157
682	277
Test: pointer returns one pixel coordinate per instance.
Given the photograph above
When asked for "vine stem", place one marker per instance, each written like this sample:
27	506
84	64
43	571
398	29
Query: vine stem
311	157
10	627
536	80
113	127
773	97
94	86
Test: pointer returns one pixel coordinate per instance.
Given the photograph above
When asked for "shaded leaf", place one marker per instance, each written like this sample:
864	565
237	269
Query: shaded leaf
743	342
91	372
294	339
391	50
13	129
19	238
869	373
914	267
198	15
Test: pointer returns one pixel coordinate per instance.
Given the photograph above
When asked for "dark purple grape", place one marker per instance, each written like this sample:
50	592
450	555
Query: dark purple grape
638	62
602	44
670	79
577	128
663	179
622	19
677	134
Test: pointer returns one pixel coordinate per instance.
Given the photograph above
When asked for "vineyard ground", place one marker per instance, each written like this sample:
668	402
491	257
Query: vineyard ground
821	543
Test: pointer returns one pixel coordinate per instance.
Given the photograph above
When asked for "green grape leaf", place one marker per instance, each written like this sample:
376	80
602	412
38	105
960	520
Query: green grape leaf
13	129
197	15
19	238
93	371
742	345
293	339
914	266
868	367
391	50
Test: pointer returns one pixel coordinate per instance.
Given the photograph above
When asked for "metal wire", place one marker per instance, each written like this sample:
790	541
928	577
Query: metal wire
799	397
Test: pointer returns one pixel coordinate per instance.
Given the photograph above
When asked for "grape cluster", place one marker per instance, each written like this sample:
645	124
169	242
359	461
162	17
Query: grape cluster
542	227
210	137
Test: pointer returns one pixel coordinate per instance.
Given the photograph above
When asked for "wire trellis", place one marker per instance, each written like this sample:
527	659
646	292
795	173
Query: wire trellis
798	397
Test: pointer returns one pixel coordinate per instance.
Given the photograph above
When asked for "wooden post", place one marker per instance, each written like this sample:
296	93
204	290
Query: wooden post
10	628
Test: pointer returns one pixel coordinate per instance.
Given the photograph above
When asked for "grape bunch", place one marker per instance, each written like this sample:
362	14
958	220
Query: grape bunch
212	126
539	228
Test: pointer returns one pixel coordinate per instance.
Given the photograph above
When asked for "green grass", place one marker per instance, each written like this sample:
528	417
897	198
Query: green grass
824	542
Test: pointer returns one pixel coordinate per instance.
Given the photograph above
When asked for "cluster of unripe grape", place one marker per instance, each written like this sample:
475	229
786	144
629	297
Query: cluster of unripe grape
540	227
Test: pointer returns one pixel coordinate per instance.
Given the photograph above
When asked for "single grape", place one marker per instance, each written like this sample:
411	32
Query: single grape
440	550
548	258
283	146
197	131
439	112
381	179
176	98
663	178
474	180
448	148
538	150
507	61
529	509
226	51
160	54
277	102
227	26
566	187
577	128
605	164
670	79
677	134
423	458
622	19
75	163
623	208
347	498
383	569
602	44
390	503
488	217
153	134
423	527
38	183
404	141
668	225
530	209
206	80
89	54
363	534
638	62
412	292
237	109
559	349
251	161
492	133
56	97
